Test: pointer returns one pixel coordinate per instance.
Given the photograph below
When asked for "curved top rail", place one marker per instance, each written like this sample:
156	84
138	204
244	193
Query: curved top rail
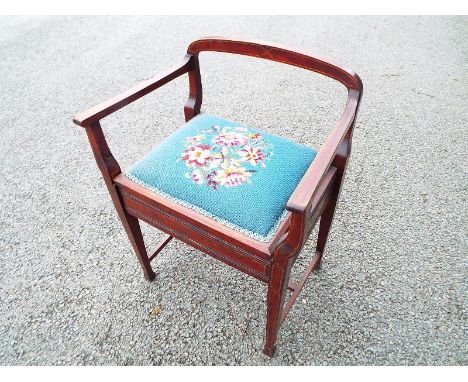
279	54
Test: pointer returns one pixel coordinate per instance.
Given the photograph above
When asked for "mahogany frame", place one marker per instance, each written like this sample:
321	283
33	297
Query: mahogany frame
315	196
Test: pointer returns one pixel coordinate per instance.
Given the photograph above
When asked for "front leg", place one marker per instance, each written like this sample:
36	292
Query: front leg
282	260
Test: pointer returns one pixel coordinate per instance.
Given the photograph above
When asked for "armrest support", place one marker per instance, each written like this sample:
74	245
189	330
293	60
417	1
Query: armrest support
88	117
302	197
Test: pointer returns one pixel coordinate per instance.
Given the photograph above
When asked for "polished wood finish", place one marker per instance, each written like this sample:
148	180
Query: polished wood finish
314	198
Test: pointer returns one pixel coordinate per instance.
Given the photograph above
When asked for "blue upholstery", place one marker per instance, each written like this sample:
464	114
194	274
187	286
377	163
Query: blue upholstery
240	176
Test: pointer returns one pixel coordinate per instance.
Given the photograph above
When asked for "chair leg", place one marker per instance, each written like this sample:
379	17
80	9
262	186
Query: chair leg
132	227
326	220
110	169
328	213
277	288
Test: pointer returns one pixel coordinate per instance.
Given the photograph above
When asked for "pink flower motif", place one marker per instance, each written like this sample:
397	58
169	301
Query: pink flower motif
230	139
197	176
252	155
197	156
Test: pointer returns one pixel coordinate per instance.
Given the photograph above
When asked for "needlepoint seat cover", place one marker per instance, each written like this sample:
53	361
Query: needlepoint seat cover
238	175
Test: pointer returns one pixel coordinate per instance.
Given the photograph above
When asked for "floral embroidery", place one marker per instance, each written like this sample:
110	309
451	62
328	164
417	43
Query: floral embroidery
225	156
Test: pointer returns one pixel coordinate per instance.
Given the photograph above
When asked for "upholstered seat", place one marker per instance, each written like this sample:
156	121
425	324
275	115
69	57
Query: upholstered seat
240	176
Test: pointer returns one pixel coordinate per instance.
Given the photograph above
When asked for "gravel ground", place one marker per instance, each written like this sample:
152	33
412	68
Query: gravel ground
393	286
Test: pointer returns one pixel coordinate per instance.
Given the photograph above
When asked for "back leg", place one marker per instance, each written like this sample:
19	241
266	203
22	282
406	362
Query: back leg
328	213
324	228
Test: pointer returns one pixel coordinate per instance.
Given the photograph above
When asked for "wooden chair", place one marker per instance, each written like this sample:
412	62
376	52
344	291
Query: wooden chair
314	196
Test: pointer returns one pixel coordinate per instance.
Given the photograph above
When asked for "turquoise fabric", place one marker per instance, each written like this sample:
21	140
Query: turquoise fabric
238	175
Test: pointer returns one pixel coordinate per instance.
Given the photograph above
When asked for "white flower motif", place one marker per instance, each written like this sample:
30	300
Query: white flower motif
197	156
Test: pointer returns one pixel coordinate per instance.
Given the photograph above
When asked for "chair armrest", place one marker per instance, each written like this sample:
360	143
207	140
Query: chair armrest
96	113
280	54
302	197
